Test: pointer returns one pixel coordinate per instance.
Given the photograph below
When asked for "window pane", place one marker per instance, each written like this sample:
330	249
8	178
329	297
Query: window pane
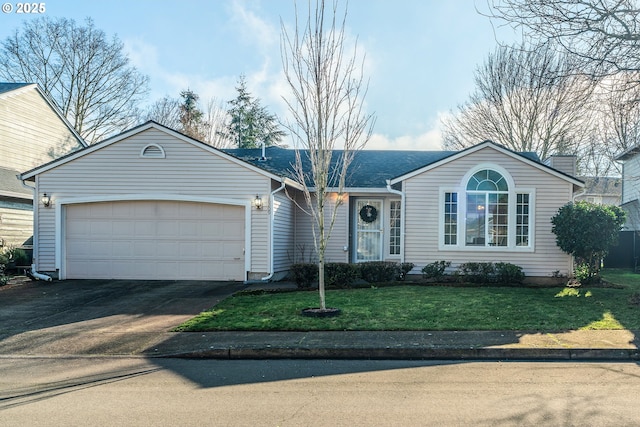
522	219
487	180
450	219
394	228
476	220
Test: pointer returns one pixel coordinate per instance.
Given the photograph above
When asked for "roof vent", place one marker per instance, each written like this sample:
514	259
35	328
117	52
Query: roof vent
153	151
264	155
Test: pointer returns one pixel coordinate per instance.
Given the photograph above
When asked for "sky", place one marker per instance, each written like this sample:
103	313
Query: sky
420	55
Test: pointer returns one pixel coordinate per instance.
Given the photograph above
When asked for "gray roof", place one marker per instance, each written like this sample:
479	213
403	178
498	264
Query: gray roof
8	87
10	184
369	169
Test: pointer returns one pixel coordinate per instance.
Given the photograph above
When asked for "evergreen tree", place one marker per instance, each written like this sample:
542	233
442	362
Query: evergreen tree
250	123
190	116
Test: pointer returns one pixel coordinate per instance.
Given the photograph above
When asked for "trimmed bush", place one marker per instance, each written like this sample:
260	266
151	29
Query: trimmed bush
507	273
304	274
477	272
502	273
435	270
405	268
340	274
380	271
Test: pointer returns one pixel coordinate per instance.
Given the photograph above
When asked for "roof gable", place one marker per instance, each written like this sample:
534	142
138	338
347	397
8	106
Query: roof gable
529	158
30	175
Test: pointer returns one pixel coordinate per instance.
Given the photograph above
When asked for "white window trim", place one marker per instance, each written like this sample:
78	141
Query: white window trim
461	190
387	230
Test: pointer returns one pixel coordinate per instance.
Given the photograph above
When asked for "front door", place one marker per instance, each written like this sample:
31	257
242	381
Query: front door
369	230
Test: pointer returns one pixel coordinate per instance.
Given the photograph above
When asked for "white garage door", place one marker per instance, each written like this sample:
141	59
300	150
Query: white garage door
154	240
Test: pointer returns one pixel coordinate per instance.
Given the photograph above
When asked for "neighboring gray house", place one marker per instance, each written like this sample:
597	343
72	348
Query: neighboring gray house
152	203
601	190
32	131
630	200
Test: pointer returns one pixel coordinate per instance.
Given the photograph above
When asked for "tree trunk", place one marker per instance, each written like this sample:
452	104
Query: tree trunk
323	304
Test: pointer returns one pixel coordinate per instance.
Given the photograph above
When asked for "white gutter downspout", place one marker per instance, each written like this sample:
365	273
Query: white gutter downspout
402	209
271	232
33	272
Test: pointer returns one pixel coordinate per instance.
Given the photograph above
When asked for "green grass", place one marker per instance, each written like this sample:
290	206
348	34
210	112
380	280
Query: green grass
413	307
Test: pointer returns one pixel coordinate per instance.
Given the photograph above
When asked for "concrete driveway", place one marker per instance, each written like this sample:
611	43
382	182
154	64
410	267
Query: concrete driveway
114	317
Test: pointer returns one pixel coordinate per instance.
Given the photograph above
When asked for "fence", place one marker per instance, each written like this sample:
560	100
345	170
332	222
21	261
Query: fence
625	254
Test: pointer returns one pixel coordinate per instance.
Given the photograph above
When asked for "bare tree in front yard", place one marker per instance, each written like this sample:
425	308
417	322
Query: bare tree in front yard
326	103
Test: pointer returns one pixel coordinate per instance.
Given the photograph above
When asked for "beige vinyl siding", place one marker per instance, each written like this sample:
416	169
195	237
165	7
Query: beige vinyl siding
31	133
423	222
283	232
188	170
304	250
16	225
340	235
304	245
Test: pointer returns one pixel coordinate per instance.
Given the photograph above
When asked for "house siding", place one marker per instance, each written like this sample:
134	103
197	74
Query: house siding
118	170
31	133
423	222
15	224
304	244
283	232
630	189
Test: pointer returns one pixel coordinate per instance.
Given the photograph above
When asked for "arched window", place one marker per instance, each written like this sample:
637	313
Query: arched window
487	210
487	214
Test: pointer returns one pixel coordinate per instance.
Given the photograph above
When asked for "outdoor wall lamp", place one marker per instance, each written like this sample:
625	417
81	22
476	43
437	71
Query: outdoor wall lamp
46	200
257	202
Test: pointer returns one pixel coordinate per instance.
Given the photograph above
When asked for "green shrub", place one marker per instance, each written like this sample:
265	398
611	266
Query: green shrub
304	274
582	273
507	273
502	273
435	270
405	268
587	231
17	257
340	274
380	271
477	272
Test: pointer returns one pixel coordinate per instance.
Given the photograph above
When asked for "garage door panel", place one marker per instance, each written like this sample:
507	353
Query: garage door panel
155	240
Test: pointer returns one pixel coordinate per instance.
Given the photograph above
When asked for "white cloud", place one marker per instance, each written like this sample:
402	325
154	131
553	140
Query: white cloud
429	140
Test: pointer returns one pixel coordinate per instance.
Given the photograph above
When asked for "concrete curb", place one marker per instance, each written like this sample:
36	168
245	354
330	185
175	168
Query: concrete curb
541	354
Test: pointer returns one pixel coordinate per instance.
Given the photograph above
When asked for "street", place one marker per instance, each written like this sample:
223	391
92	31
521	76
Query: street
174	392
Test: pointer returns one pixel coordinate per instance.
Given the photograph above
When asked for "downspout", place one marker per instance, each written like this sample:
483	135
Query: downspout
33	273
402	206
271	232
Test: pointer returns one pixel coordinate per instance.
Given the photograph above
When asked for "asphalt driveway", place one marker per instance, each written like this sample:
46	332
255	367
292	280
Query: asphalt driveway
100	316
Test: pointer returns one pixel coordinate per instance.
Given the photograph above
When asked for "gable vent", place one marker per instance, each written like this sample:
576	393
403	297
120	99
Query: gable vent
153	151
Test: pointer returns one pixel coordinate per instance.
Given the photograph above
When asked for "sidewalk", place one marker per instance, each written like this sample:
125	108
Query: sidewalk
450	345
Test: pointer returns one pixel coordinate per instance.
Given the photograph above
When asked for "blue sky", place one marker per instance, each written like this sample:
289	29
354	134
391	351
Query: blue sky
420	54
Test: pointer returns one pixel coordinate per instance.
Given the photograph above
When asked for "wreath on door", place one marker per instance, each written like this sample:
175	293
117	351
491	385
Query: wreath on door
368	213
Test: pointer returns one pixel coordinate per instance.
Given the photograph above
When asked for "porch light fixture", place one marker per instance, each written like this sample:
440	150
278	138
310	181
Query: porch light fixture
46	200
257	202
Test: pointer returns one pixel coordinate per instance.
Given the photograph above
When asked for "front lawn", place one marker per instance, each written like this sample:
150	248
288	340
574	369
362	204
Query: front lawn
414	307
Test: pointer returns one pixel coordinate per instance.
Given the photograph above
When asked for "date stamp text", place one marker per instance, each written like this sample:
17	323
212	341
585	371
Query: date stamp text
31	8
